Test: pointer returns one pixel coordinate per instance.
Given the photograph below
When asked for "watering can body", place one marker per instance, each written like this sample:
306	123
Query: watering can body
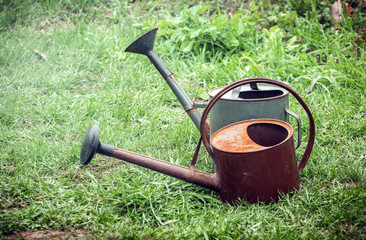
255	160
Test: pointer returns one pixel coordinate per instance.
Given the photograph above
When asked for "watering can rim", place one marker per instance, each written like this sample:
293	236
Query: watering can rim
224	98
281	123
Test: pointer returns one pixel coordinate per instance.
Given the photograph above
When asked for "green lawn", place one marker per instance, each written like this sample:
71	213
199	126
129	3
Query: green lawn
47	104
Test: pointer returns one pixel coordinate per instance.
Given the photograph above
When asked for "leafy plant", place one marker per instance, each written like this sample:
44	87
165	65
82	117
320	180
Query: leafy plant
202	29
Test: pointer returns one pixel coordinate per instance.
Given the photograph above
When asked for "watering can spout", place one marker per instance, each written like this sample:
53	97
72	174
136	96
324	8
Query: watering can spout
144	45
91	145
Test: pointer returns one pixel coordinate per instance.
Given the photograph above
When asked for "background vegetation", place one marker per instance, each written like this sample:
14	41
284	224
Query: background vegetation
79	75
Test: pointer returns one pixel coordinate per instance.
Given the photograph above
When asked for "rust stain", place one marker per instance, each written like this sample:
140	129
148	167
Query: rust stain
192	110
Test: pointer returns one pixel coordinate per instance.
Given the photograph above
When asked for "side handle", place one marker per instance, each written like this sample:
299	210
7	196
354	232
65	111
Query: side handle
294	115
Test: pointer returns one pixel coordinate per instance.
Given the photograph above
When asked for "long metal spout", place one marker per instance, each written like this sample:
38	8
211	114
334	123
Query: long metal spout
200	178
91	146
144	45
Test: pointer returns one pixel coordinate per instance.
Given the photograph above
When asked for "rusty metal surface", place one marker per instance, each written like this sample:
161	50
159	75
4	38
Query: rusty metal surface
257	176
254	160
200	178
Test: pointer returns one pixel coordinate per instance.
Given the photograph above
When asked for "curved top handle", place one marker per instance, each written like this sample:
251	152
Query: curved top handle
203	126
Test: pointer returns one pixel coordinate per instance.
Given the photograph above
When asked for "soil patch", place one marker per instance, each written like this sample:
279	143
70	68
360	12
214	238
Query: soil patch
49	234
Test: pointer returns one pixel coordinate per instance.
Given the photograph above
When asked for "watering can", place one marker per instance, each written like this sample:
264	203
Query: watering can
251	101
254	159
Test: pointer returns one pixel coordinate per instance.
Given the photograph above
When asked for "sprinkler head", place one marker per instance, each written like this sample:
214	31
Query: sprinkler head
143	44
90	145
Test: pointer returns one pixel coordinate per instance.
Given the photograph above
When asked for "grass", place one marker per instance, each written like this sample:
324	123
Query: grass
46	106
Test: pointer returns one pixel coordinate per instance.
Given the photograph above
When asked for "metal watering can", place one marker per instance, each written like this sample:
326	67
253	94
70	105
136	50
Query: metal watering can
254	159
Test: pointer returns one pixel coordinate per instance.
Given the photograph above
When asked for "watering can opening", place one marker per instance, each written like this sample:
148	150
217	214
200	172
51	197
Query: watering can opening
264	92
267	134
260	94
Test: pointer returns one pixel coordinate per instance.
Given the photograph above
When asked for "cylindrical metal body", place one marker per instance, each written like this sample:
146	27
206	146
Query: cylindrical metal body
244	103
255	160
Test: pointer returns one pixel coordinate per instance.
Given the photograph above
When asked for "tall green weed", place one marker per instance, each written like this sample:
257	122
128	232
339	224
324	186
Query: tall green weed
204	30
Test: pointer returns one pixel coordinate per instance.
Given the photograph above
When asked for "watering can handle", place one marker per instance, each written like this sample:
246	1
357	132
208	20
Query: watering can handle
203	126
298	120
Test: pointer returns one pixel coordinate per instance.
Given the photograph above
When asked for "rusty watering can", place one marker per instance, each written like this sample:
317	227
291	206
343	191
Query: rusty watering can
242	103
254	159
